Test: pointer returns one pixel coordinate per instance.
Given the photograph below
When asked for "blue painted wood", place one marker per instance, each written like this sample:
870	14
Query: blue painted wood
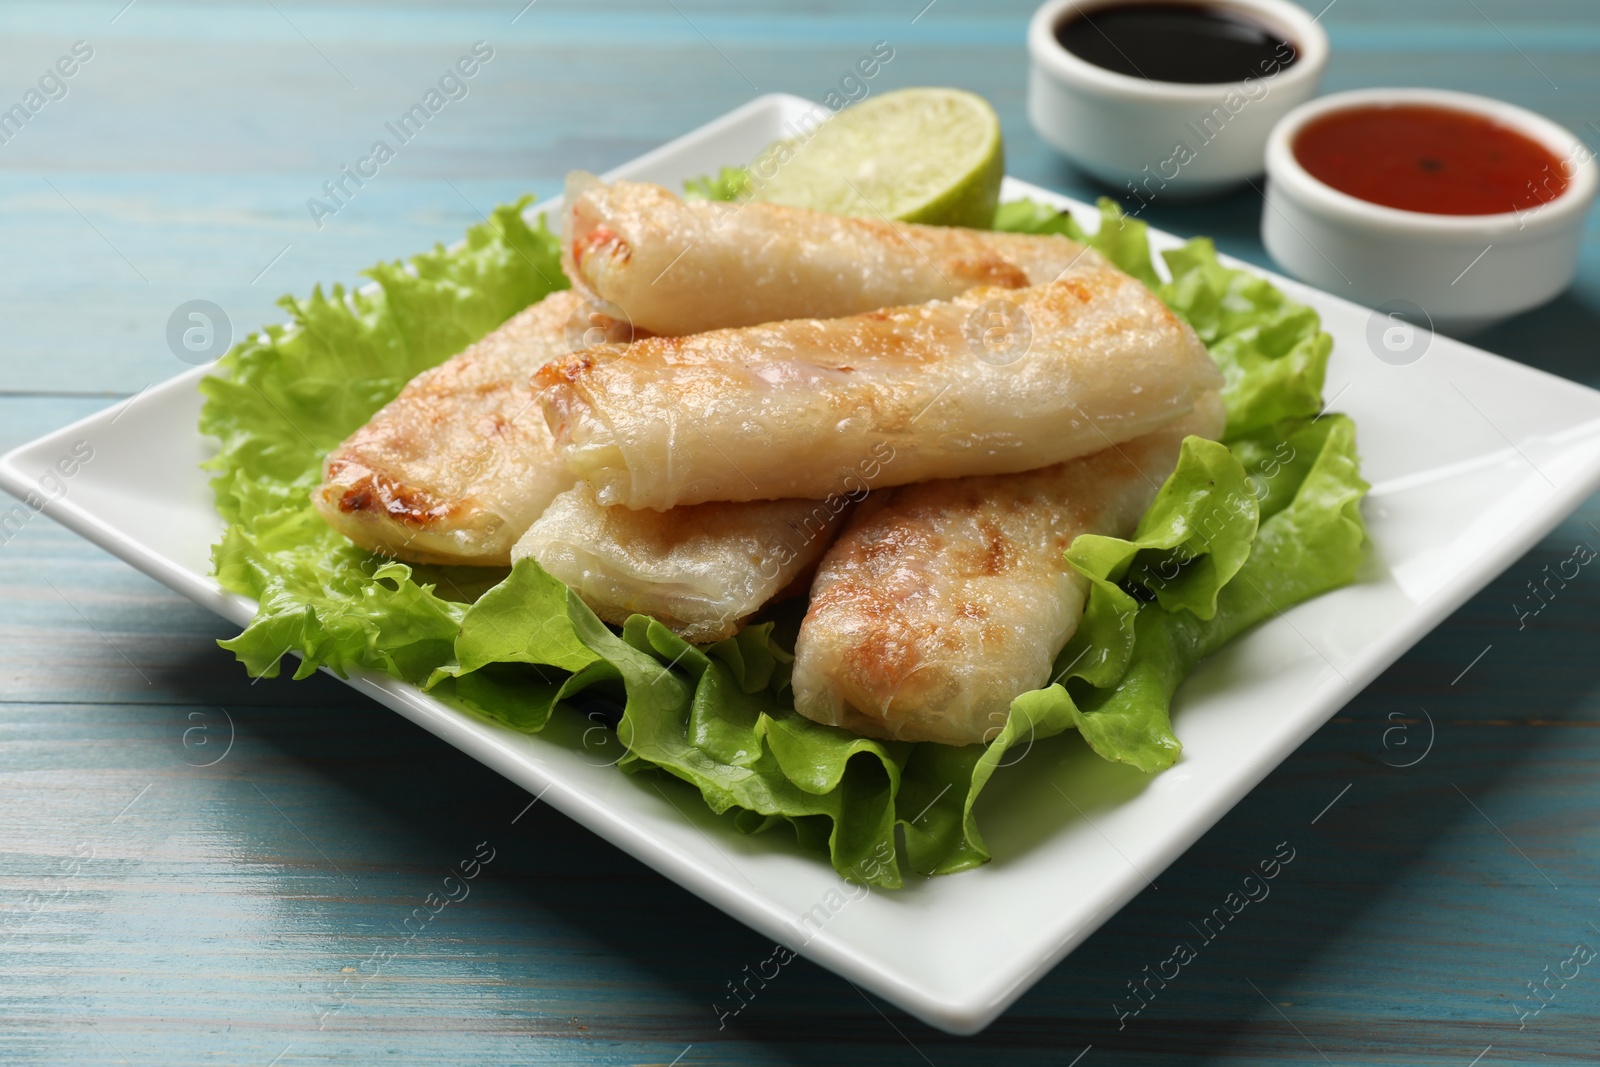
157	910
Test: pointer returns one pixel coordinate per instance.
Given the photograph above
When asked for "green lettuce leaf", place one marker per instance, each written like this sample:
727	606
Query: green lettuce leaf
730	183
1193	539
1272	351
284	397
1119	238
714	717
1314	543
1116	678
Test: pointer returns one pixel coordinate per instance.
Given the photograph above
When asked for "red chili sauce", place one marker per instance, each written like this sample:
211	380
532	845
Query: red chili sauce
1429	159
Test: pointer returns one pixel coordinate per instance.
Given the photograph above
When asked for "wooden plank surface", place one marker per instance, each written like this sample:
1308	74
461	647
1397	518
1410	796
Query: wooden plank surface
195	869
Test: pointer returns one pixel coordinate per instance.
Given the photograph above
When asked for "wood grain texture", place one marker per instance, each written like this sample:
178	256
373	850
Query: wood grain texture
157	911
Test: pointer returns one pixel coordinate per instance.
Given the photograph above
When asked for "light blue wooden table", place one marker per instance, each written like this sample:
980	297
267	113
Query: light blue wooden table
161	905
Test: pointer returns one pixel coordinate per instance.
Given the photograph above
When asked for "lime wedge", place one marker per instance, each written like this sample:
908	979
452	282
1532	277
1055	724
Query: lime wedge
913	155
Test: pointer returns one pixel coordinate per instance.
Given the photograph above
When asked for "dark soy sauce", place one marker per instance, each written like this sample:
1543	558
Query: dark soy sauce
1193	44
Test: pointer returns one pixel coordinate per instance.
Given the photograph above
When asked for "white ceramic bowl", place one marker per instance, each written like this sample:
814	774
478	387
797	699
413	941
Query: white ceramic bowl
1171	139
1464	272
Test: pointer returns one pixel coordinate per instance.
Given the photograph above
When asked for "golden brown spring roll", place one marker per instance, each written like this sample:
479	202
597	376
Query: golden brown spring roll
701	569
791	409
680	267
939	606
457	467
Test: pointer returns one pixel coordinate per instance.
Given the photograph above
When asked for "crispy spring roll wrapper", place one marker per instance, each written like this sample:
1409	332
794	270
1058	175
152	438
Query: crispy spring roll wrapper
457	467
792	409
934	610
701	570
679	267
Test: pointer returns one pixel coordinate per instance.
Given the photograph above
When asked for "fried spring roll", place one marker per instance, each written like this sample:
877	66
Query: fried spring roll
792	409
679	267
951	598
456	467
701	570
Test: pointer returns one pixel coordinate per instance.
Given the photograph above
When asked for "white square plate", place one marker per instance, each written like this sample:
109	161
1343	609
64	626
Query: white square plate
1473	459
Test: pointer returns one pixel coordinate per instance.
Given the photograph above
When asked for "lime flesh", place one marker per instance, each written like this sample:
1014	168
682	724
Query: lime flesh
913	155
